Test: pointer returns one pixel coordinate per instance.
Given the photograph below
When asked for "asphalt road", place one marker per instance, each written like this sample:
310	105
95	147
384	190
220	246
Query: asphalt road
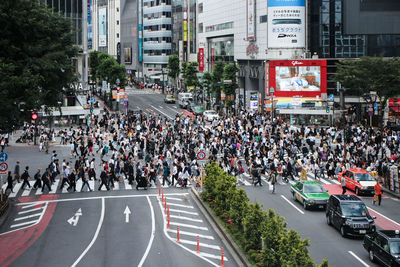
97	229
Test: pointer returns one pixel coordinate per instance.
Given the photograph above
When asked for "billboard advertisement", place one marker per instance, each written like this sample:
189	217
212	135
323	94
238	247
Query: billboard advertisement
201	59
89	24
304	78
102	26
286	23
251	17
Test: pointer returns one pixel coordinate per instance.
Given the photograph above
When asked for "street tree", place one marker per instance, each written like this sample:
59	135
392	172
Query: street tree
189	72
94	64
218	73
173	67
207	83
36	51
371	74
229	74
253	227
109	67
239	206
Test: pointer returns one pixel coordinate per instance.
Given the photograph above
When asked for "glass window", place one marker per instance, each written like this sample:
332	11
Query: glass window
263	19
201	8
325	7
338	6
325	18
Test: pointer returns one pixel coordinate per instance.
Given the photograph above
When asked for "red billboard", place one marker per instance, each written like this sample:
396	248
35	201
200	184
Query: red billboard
305	78
201	59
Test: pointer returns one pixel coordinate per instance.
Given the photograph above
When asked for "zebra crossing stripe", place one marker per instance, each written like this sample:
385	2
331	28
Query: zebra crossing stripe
79	185
16	189
26	191
127	185
54	186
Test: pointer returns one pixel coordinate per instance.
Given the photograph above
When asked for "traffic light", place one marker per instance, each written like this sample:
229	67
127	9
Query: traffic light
328	109
34	116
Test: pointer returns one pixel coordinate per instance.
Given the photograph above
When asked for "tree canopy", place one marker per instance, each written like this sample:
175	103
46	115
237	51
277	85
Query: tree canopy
105	67
371	74
189	72
36	51
173	66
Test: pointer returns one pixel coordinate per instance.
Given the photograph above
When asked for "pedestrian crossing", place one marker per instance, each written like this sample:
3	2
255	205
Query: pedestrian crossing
29	215
188	229
55	187
140	92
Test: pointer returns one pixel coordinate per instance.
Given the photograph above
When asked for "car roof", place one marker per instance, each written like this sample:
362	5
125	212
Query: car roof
390	234
350	198
357	170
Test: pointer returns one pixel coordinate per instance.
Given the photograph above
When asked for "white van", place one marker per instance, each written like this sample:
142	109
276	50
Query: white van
184	95
184	102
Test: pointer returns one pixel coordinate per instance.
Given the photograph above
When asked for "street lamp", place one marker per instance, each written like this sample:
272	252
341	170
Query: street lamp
371	99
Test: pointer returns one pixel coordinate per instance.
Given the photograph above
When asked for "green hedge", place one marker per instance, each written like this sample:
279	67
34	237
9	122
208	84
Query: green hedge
262	235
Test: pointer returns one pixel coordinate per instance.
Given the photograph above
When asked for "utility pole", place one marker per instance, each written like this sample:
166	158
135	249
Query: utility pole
85	45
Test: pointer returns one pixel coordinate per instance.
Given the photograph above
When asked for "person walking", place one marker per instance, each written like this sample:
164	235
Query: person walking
25	176
17	172
104	180
378	193
85	182
72	180
46	179
343	182
10	182
273	181
65	175
37	177
166	174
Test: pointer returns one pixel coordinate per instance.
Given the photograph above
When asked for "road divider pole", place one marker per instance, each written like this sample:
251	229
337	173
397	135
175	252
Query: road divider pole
198	245
159	189
177	235
165	204
222	257
162	199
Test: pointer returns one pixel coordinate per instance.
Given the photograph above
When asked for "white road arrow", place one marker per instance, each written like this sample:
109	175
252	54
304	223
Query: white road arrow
127	212
74	219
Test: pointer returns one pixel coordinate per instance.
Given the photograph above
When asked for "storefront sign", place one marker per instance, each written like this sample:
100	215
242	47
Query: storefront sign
201	59
252	50
251	17
102	26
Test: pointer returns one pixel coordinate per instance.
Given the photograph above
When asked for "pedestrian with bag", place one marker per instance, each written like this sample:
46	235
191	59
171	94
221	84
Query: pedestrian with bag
38	181
104	180
378	193
85	182
343	182
17	172
25	176
46	179
273	181
10	182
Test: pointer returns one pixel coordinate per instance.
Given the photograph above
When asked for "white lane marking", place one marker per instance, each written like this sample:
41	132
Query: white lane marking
182	206
208	255
116	186
200	244
28	206
98	197
160	106
160	181
24	223
26	211
335	181
288	201
176	107
95	234
183	211
360	260
180	245
395	199
380	214
27	217
173	198
186	218
191	234
64	189
39	190
26	191
153	230
16	188
91	183
165	114
79	185
189	226
54	186
127	185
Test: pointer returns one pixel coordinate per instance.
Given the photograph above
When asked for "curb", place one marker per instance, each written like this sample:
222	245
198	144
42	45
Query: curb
234	250
388	192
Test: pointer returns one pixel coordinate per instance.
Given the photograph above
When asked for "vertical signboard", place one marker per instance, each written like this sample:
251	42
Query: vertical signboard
89	24
201	59
251	17
286	24
266	78
140	27
102	26
185	28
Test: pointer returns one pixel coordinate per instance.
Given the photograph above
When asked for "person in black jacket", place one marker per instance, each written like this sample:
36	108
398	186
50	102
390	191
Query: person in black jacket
38	182
10	182
46	179
104	180
25	176
72	180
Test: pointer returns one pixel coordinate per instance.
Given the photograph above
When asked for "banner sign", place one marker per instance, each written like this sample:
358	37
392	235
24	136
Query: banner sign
201	59
102	26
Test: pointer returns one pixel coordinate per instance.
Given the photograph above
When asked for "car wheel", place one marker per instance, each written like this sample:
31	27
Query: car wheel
342	231
305	205
371	255
328	219
357	191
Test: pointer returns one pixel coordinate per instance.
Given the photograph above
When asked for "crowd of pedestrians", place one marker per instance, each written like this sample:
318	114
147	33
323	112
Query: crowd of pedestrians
141	147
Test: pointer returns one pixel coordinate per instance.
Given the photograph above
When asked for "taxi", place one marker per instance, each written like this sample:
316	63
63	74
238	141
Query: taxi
310	194
169	99
358	180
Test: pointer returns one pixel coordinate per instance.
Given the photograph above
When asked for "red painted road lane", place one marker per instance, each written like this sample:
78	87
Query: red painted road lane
381	220
189	114
13	244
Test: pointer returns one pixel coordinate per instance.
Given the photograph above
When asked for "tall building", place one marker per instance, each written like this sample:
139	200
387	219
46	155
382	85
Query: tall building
157	37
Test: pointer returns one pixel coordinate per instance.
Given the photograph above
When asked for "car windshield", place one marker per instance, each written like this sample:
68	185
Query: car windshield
364	177
354	210
314	188
395	247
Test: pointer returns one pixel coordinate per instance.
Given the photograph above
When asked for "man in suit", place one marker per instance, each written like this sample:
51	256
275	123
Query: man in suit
46	179
104	180
25	176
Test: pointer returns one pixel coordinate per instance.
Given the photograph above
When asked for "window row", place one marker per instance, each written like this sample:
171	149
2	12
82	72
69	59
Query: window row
158	39
158	27
157	15
157	3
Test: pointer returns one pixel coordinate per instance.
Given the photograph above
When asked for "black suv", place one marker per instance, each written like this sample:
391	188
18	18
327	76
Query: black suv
384	246
349	214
